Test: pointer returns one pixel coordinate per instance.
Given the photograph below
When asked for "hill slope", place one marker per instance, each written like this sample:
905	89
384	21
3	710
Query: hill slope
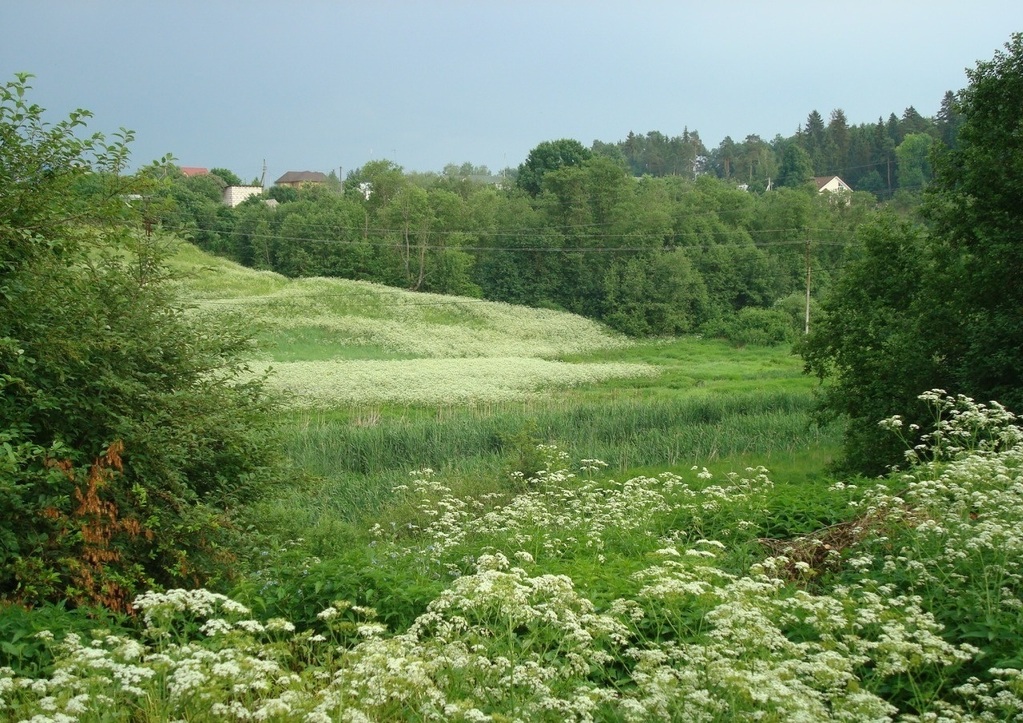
334	341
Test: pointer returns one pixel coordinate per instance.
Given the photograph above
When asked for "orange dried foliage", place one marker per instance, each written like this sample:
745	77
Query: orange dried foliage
97	521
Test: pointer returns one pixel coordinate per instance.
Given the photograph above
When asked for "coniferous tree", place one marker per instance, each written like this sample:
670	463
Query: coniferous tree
948	119
837	135
813	140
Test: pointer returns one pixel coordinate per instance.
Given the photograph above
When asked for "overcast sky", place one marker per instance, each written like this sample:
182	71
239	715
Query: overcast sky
316	85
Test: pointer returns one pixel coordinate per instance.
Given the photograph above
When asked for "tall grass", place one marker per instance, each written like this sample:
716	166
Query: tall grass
625	433
628	434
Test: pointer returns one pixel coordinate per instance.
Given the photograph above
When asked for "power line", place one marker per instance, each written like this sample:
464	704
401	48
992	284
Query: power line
396	240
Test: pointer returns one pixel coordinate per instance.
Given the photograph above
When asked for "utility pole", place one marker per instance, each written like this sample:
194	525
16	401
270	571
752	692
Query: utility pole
806	329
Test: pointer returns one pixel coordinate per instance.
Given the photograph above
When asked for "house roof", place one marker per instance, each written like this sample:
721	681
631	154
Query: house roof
823	181
302	177
194	171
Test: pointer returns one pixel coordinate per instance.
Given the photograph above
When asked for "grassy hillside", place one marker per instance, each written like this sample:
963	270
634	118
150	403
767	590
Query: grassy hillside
331	341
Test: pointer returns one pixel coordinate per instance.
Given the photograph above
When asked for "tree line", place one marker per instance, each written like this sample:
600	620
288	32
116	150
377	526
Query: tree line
652	234
882	158
577	231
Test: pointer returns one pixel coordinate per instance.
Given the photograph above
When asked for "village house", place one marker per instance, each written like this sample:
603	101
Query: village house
831	184
297	179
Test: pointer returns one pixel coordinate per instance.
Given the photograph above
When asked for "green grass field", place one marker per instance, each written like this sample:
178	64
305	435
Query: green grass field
379	382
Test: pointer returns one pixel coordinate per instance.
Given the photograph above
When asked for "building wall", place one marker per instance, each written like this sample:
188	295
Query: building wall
233	195
835	184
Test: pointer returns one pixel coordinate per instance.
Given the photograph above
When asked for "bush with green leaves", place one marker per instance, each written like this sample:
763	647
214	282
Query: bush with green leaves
756	326
127	440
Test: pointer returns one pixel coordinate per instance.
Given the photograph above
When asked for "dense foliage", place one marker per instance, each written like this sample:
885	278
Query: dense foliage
937	306
650	256
126	441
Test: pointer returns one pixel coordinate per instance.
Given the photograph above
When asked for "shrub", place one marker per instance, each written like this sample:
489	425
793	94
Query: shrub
751	325
126	438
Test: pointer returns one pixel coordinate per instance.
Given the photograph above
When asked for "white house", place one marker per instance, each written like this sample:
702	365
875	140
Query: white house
233	195
832	184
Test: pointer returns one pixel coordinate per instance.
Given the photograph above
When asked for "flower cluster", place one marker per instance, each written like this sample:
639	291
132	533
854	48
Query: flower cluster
455	380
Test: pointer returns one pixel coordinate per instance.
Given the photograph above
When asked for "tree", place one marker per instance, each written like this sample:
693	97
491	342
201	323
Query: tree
913	161
566	197
814	141
128	438
942	309
688	154
608	186
756	163
230	178
517	264
796	167
894	129
913	122
838	143
657	293
283	194
449	266
655	158
975	204
871	344
948	119
410	218
611	151
546	157
723	158
884	154
251	238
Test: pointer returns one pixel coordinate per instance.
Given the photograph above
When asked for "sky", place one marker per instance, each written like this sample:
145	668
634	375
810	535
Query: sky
321	86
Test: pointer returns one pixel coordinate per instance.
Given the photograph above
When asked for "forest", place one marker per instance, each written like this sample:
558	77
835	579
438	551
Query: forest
652	235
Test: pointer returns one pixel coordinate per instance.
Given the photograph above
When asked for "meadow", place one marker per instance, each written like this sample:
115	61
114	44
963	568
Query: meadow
508	514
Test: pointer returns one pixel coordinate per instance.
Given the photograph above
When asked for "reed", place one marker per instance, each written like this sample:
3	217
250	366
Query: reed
628	434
